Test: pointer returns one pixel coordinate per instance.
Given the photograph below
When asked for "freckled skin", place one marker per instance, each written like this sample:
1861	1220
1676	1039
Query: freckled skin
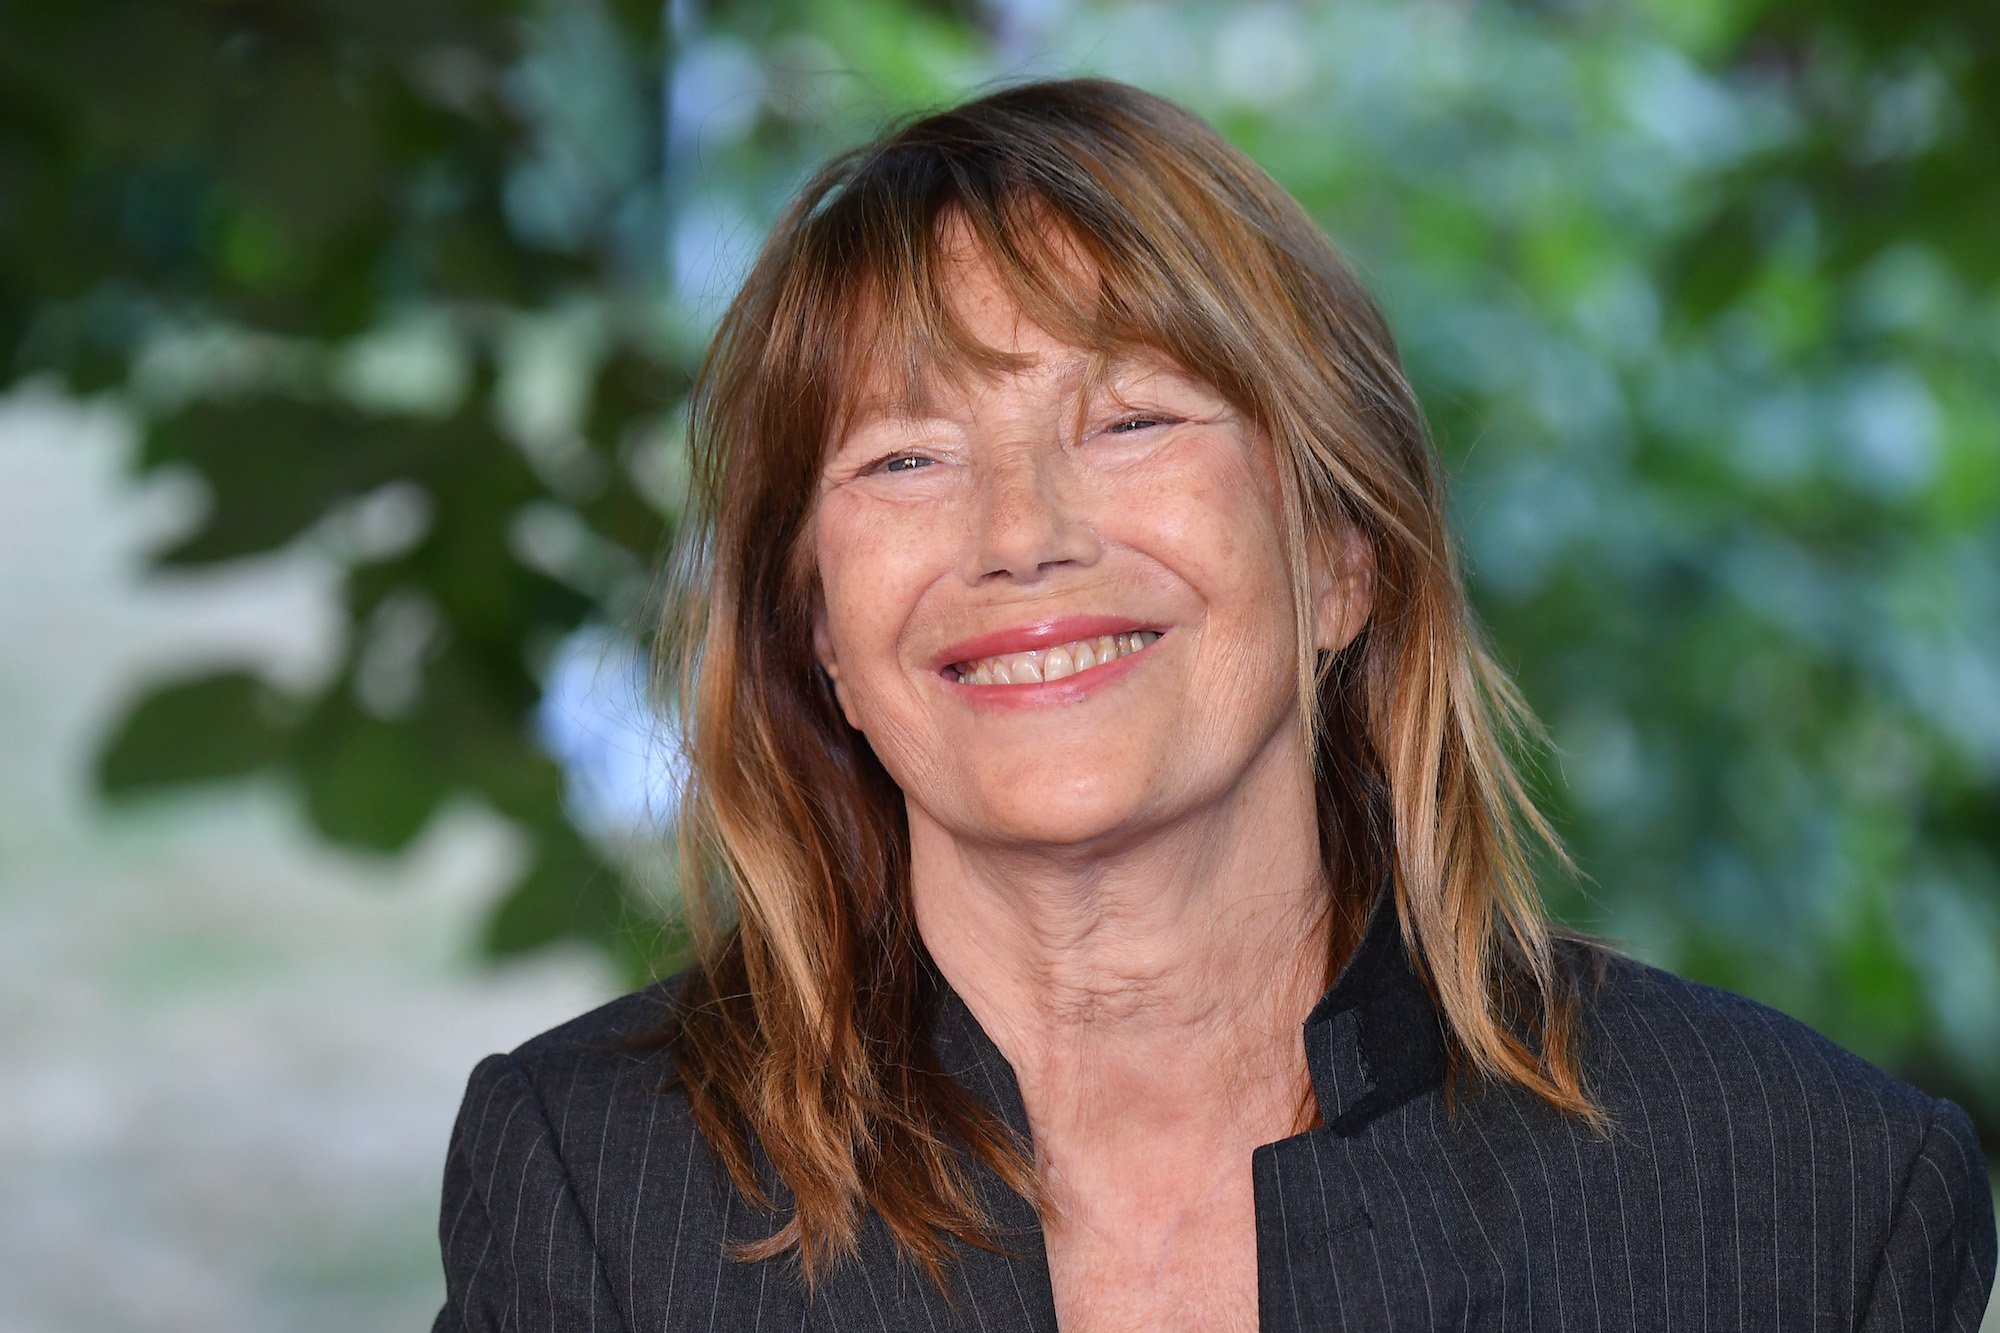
1122	888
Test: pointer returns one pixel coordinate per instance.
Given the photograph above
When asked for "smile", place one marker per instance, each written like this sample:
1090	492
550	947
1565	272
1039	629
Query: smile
1039	666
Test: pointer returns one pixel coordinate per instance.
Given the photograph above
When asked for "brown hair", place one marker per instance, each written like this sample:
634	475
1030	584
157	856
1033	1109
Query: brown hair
802	1030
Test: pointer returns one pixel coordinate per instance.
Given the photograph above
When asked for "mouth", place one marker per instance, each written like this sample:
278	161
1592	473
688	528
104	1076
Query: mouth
1040	666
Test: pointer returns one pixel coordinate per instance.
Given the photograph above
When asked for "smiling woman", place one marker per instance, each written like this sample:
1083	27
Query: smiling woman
1112	895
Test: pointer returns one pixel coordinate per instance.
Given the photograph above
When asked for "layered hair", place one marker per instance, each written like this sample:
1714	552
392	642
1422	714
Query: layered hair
1119	222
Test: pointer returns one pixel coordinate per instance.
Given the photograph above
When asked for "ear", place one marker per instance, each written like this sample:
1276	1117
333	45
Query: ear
1343	579
823	650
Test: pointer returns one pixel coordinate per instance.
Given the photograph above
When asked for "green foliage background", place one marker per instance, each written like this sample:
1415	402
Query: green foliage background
1703	297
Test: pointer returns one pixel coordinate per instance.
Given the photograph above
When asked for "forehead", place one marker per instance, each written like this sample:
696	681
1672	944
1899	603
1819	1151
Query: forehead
1058	373
983	305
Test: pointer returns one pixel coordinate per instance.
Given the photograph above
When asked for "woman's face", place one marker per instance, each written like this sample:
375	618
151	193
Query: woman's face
993	541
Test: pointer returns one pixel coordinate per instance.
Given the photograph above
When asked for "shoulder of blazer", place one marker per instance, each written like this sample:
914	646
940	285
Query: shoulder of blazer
618	1119
1660	1034
613	1051
1759	1105
578	1192
601	1031
1763	1091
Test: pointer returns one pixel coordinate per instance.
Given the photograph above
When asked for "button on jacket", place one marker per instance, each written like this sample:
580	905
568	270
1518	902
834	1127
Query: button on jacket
1758	1177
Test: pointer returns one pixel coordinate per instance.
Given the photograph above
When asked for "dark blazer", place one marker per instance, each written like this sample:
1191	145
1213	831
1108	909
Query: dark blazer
1759	1177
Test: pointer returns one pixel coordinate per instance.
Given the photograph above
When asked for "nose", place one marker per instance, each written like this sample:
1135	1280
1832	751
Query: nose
1025	519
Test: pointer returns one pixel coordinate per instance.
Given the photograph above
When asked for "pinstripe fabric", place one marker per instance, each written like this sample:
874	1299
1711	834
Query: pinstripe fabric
1757	1177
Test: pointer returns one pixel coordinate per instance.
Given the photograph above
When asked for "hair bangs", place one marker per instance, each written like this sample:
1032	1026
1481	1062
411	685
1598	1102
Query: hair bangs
891	326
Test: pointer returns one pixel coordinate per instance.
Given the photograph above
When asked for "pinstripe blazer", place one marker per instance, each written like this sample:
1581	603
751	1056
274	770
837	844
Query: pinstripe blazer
1758	1177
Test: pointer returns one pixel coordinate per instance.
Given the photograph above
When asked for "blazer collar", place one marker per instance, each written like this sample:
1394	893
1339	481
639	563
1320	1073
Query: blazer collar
1373	1042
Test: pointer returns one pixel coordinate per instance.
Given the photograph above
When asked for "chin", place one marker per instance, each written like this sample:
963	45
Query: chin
1062	817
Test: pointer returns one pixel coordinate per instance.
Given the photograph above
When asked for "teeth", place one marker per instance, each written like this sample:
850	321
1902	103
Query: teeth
1046	664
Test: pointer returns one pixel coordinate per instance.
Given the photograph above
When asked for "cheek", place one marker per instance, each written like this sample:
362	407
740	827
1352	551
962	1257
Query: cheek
1214	522
871	569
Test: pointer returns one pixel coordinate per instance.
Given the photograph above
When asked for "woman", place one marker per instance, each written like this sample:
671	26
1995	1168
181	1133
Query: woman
1111	892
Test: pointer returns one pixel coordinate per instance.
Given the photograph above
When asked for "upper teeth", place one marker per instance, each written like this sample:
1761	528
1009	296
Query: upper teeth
1045	664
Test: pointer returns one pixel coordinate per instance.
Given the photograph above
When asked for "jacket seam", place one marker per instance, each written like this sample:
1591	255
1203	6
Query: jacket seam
1896	1215
456	1299
601	1270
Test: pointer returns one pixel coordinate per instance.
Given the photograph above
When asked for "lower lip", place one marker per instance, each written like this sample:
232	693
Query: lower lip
1070	689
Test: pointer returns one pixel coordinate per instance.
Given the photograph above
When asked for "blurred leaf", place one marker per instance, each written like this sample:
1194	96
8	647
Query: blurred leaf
219	726
369	782
274	466
1713	266
567	893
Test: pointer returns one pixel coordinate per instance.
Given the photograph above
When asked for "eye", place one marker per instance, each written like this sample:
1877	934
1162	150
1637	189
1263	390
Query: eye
894	462
1137	421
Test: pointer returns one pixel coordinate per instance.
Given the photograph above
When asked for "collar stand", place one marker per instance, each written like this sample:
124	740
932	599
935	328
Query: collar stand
1374	1040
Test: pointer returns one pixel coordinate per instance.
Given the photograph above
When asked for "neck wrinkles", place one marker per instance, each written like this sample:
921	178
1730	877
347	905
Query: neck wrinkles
1163	986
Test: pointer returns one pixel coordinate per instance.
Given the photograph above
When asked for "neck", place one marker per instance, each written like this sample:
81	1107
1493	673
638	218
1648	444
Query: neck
1149	984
